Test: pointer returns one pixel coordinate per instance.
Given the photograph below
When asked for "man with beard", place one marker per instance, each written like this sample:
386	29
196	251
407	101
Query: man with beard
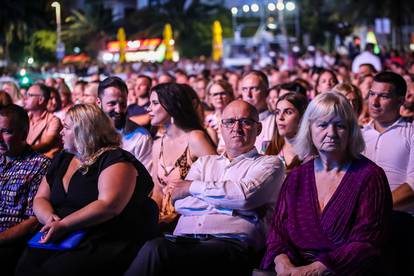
112	98
21	170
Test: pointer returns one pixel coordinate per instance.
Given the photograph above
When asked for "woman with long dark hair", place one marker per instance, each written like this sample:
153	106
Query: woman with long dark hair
184	140
289	111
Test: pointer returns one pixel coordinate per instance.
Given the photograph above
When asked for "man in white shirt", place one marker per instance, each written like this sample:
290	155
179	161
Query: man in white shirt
224	203
389	138
112	98
367	57
254	90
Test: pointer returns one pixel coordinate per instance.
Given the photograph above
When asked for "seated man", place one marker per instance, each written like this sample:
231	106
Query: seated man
224	205
44	129
112	98
21	170
389	138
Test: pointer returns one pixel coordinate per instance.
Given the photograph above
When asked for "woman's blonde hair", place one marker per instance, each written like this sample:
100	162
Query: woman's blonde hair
328	104
15	93
93	129
348	88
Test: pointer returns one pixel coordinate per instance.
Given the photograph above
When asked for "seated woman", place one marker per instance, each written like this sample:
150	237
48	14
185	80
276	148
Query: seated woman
325	81
184	140
333	212
94	186
289	111
219	94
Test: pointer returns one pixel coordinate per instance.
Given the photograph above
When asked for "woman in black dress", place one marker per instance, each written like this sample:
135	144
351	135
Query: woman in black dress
94	186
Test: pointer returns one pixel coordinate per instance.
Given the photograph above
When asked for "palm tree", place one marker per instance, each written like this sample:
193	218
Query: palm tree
87	28
191	23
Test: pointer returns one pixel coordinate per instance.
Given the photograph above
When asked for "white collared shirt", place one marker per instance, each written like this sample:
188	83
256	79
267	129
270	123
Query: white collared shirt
227	196
268	121
393	151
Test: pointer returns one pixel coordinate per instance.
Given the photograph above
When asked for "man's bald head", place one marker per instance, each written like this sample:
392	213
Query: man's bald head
239	127
238	105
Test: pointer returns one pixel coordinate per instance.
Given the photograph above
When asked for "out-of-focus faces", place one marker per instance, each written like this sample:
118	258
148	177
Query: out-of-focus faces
330	135
326	82
272	99
383	104
165	79
287	119
365	85
158	114
33	99
114	104
353	100
218	97
90	95
52	103
252	92
77	93
142	87
200	88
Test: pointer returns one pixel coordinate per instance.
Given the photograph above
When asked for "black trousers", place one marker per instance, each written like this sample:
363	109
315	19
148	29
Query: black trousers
9	256
211	257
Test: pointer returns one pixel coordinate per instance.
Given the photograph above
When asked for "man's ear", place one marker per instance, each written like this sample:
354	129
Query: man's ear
259	128
98	102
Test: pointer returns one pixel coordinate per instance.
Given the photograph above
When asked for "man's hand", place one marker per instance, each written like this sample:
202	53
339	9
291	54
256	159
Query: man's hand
179	189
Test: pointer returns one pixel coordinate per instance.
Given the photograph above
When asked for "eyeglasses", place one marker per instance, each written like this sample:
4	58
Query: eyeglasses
243	122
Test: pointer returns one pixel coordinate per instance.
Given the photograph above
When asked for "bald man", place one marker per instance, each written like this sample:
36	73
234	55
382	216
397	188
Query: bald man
224	203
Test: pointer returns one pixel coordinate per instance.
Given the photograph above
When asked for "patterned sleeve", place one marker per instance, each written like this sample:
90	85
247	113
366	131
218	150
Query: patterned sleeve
40	168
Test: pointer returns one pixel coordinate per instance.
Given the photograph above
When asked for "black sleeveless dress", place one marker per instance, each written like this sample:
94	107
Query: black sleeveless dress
107	248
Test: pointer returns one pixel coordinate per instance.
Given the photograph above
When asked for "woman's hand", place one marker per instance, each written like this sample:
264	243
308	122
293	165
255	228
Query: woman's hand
283	266
313	269
53	230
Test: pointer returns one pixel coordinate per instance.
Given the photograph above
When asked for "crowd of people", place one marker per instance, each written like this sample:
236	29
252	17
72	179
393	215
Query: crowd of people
303	171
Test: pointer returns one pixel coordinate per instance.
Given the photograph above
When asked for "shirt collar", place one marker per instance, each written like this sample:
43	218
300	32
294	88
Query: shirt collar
400	122
247	155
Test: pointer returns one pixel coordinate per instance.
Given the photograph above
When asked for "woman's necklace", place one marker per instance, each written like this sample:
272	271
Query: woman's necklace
84	165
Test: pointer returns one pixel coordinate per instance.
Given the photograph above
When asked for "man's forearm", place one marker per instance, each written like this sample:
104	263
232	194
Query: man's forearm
18	231
403	196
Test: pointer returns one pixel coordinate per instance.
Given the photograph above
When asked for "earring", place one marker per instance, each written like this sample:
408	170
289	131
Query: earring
172	120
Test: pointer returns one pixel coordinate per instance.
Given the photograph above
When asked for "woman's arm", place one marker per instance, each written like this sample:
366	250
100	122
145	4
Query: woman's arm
116	185
41	203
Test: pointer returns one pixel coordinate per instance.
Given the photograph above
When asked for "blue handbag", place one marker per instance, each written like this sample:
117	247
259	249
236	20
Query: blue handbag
69	242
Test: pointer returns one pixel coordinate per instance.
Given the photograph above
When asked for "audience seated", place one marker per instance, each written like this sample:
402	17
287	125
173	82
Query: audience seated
224	204
334	211
44	129
21	170
112	98
184	141
390	138
93	186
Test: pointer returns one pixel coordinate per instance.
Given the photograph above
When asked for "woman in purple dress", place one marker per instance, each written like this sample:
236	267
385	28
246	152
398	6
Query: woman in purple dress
333	212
